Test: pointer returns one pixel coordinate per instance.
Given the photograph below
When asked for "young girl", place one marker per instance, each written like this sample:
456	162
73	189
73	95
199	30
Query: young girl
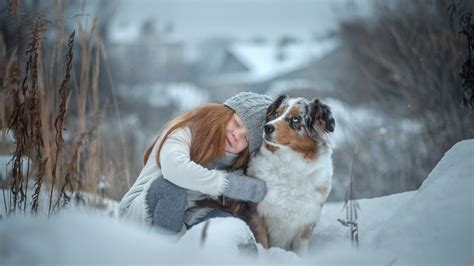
188	163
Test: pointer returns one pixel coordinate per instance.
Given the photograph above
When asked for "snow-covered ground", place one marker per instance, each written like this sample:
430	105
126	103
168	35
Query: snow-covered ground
433	225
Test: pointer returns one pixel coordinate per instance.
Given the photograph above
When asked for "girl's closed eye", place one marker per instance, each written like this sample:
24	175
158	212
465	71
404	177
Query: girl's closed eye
239	124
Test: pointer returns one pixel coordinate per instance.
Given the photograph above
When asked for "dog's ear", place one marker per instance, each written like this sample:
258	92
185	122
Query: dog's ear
274	106
320	115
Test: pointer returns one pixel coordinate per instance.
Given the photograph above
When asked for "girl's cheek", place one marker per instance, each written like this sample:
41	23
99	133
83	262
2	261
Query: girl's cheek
243	145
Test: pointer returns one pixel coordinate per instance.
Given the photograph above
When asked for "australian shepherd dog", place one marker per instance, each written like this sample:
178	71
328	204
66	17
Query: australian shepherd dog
295	163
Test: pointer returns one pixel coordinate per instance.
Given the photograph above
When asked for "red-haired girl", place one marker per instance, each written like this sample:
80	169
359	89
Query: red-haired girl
193	159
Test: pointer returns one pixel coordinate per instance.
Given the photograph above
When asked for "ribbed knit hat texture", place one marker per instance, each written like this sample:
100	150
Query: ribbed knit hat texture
251	108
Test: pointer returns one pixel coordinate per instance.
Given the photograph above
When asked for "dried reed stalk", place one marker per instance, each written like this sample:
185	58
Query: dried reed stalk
4	196
59	9
37	112
63	194
59	121
351	206
13	6
84	77
26	109
94	158
119	119
15	123
19	118
74	175
72	172
38	183
36	137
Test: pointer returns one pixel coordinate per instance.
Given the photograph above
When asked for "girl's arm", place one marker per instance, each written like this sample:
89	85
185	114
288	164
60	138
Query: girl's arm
246	188
178	168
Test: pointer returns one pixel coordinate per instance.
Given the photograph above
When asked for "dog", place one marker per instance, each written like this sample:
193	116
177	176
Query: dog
295	163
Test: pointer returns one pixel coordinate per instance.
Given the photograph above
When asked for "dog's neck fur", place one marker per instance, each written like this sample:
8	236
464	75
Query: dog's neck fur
286	155
285	159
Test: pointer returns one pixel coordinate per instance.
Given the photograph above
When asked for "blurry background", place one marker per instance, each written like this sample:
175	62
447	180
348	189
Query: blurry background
389	70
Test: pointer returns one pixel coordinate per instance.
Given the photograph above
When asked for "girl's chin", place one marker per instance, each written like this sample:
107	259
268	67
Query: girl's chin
230	150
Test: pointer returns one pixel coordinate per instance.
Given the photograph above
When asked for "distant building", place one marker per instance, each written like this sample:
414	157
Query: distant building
268	67
141	53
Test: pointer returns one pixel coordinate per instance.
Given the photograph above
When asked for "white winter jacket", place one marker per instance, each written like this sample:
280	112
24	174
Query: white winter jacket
178	168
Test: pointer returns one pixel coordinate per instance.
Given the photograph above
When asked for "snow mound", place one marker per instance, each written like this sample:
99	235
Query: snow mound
433	225
77	237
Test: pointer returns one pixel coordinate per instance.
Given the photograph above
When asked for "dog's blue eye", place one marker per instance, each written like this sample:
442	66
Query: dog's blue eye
274	115
295	120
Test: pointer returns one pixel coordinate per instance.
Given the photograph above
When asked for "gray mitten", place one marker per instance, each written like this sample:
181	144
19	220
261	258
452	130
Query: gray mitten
246	188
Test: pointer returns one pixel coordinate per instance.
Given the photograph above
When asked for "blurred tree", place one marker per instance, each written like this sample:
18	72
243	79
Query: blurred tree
406	61
411	59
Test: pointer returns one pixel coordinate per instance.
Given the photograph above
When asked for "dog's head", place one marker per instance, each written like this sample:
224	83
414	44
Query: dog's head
298	124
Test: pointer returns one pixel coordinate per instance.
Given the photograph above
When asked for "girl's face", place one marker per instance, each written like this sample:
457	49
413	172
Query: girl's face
236	137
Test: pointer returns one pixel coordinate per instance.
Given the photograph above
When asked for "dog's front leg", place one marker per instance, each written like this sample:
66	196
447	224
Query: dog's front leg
301	241
260	230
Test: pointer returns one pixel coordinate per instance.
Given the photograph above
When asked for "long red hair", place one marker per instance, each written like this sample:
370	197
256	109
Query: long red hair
207	123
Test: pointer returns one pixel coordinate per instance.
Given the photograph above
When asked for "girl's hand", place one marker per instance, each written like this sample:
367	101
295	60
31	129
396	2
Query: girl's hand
246	188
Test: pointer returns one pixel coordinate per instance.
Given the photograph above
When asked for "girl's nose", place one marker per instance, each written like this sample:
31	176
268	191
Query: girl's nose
237	135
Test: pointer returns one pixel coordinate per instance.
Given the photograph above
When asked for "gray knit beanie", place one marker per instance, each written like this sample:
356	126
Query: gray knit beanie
252	109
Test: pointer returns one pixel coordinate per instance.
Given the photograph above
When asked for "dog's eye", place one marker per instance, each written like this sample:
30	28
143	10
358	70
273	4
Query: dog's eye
295	120
275	115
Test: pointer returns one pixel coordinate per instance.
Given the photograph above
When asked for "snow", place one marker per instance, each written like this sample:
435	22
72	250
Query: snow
77	237
433	225
6	165
438	220
7	136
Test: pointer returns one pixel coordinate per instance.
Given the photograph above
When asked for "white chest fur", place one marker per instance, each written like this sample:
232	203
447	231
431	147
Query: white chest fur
296	190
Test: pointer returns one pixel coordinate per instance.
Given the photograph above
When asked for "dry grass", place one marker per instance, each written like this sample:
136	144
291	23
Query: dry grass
59	121
53	89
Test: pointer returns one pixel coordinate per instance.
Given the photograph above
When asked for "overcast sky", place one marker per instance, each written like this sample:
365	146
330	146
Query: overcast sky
199	19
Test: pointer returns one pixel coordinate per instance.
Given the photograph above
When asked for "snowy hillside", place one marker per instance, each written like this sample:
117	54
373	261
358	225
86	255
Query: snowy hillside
431	225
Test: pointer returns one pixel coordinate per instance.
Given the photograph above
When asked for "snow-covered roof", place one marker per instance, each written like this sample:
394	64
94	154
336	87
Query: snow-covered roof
183	95
264	63
129	32
124	33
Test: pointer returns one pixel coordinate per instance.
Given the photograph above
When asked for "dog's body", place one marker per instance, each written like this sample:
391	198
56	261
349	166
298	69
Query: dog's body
295	163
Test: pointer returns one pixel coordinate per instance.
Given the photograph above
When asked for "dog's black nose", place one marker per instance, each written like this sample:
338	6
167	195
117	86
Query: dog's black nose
269	129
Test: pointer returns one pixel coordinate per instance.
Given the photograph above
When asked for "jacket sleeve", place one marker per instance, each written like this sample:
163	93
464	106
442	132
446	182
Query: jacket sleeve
242	187
178	168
